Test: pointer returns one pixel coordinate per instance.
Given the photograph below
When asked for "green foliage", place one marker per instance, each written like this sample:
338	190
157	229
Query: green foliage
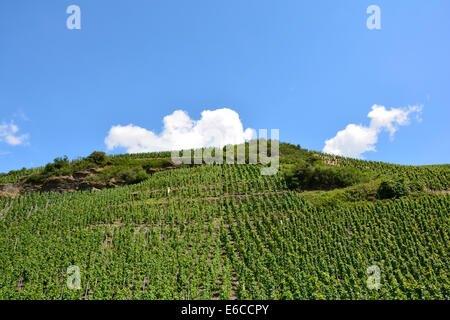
97	157
228	232
59	167
35	178
147	164
361	193
63	167
122	174
434	177
131	175
16	175
396	187
156	164
305	176
82	165
223	232
416	186
134	156
292	153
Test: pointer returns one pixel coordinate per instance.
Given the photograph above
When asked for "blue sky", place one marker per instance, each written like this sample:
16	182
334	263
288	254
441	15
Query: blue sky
308	68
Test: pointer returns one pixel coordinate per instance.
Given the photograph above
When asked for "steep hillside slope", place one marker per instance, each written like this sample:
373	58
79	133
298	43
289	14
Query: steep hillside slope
223	232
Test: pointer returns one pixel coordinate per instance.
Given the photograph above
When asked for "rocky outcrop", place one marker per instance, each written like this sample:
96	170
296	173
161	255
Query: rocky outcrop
75	182
78	181
10	190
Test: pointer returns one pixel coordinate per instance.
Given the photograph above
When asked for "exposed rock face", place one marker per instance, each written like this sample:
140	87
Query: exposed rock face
73	183
8	190
81	174
59	183
78	181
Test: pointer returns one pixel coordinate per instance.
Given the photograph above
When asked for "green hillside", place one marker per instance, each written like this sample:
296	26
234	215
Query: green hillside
227	232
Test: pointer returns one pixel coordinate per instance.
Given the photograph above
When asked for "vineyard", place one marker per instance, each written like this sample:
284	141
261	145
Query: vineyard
15	176
226	232
435	177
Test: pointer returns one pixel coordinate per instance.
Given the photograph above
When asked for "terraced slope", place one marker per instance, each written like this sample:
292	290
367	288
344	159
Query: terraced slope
222	232
435	177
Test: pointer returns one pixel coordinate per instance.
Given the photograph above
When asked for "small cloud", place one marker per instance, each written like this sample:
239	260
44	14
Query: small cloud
354	140
9	135
21	115
215	128
5	153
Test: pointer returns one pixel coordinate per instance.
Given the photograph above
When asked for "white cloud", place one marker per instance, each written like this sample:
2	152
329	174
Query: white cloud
215	128
354	140
8	134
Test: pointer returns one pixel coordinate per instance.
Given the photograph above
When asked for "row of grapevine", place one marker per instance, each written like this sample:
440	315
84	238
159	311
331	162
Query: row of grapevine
434	177
221	232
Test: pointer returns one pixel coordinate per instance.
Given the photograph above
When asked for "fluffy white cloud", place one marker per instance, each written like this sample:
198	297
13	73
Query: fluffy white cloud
8	134
215	128
354	140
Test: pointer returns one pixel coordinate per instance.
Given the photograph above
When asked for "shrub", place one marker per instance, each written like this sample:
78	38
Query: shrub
132	175
296	177
321	177
98	158
416	186
21	171
60	166
82	164
157	163
394	187
36	178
